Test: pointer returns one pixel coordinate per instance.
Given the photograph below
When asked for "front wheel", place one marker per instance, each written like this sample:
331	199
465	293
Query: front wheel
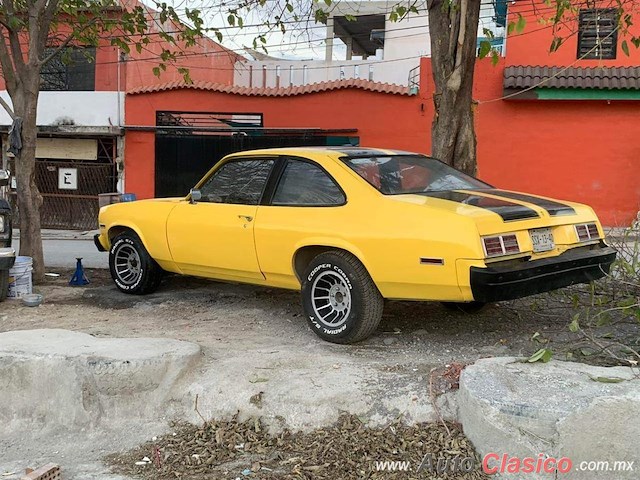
341	302
132	268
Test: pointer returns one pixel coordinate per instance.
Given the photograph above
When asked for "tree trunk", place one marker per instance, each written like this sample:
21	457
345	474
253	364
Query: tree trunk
453	25
25	102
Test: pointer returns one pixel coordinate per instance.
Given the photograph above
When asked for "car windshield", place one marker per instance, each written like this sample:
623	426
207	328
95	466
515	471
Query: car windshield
398	174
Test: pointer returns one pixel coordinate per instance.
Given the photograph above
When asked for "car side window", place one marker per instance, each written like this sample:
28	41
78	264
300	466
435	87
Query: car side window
238	182
306	184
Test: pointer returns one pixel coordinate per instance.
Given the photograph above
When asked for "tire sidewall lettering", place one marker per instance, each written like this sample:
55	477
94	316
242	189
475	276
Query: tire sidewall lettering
345	327
116	280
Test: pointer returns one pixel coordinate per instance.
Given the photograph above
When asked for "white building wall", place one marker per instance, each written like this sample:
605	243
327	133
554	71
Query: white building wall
405	42
91	109
295	73
407	38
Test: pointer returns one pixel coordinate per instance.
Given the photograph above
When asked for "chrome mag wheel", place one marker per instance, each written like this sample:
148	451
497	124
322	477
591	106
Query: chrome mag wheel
128	266
331	299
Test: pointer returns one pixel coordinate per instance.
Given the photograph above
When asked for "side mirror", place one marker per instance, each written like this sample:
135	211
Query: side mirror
195	195
4	178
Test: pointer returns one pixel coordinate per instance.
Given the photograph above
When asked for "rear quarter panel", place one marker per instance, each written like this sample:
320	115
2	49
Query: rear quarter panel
388	236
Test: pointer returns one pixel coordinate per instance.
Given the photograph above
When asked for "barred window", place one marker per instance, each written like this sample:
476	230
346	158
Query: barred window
597	33
73	69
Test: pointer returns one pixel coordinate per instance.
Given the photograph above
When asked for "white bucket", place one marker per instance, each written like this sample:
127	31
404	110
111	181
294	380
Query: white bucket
20	277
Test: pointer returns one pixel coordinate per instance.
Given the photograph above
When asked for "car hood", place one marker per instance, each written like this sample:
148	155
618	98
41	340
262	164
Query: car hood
492	208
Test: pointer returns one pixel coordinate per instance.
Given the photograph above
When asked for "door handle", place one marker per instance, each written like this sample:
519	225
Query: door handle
246	218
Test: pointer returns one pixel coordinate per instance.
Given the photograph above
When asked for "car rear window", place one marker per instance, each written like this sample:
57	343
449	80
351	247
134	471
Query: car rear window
401	174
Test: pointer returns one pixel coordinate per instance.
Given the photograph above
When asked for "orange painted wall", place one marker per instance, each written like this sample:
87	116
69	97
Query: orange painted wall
587	151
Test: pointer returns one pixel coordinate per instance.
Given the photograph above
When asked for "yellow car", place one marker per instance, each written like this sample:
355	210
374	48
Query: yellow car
350	227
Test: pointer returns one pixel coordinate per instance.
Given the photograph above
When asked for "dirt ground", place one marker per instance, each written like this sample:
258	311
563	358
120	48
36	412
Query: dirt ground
213	314
256	342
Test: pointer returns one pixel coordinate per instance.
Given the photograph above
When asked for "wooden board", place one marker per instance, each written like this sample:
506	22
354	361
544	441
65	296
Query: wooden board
67	148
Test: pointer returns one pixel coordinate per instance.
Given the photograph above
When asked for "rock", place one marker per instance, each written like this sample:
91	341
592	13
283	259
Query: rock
556	409
59	378
389	341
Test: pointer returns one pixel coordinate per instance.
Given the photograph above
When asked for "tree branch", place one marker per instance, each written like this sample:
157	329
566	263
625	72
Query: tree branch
65	43
462	32
9	110
6	63
14	40
47	19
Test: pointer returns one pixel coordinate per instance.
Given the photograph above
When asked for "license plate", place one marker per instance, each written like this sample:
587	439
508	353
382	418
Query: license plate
542	239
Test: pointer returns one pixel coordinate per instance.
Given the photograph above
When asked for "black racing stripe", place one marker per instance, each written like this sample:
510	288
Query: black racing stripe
551	206
507	210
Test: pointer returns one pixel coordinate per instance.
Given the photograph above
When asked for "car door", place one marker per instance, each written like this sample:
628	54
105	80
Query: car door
213	237
307	203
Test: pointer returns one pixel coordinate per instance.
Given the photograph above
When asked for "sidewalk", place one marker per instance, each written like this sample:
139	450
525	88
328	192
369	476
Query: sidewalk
51	234
62	247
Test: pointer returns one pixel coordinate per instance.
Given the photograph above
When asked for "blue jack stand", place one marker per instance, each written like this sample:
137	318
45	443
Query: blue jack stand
79	278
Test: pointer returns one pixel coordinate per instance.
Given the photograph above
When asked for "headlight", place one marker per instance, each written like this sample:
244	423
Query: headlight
1	223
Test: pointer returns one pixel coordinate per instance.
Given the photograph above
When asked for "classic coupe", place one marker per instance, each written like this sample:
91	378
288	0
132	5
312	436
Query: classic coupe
350	227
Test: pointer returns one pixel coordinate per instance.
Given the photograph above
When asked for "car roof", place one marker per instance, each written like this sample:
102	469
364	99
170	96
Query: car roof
348	151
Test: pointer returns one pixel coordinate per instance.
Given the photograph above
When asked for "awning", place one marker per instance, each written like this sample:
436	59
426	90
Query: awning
572	83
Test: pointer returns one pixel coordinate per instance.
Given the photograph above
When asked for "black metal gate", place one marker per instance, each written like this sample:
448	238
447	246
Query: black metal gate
188	144
182	160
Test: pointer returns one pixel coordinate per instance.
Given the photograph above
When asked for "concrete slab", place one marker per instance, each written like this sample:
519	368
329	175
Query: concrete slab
556	410
54	380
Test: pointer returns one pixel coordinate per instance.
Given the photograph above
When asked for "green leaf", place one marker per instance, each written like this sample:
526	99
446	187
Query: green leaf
485	48
625	47
555	44
520	24
495	57
574	326
393	17
488	33
543	355
231	20
607	379
328	2
156	71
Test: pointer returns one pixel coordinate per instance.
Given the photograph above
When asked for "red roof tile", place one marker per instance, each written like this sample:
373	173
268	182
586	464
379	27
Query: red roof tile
276	92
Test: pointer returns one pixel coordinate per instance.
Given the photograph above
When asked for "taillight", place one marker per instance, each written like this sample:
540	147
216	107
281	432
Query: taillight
500	245
587	231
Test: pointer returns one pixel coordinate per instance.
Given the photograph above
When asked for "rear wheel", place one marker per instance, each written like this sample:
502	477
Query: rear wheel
341	302
132	268
469	307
